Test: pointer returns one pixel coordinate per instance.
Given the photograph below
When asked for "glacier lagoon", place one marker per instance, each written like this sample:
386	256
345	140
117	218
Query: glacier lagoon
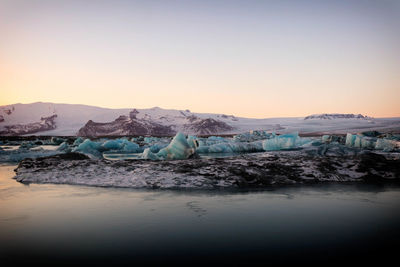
254	197
318	224
255	159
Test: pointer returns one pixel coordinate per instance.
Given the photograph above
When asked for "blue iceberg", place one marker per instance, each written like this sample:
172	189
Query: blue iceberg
113	144
179	148
78	141
64	147
90	148
285	141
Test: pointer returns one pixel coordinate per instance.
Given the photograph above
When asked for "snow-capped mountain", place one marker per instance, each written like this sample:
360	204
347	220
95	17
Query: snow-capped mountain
125	125
70	119
45	124
334	116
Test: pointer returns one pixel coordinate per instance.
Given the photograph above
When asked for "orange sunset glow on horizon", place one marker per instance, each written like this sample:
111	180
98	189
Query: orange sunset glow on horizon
256	59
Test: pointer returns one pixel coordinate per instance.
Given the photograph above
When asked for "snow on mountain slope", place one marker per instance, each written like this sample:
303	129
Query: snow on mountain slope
71	118
335	116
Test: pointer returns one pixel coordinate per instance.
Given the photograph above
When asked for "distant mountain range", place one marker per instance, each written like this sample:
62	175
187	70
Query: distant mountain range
334	116
69	120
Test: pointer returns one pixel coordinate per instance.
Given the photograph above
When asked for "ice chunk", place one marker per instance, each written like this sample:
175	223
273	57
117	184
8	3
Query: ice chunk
367	142
193	142
359	141
121	145
251	136
326	138
131	147
203	149
256	146
27	145
177	149
286	141
90	148
63	147
155	148
78	141
154	143
56	140
147	154
220	148
231	147
113	145
211	140
350	139
385	144
151	140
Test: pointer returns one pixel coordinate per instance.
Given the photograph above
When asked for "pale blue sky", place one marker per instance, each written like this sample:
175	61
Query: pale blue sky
248	58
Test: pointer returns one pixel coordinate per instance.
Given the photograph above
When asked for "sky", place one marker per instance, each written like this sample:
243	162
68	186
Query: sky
249	58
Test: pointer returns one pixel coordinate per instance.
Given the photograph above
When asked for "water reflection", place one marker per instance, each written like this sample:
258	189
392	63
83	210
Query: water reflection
64	222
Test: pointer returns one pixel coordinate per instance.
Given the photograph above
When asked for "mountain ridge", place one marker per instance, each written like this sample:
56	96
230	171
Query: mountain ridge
71	118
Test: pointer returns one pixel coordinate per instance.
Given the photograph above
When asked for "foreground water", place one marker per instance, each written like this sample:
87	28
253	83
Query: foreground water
314	224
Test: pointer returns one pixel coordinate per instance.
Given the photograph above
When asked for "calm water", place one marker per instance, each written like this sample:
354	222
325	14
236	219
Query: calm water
313	224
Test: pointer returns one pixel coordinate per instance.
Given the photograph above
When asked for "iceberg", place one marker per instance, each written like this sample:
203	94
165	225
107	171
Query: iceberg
179	148
350	139
64	147
252	136
90	148
78	141
192	141
147	154
360	141
27	145
220	148
131	147
151	139
326	138
286	141
56	140
231	147
121	145
113	144
154	143
155	148
96	149
385	145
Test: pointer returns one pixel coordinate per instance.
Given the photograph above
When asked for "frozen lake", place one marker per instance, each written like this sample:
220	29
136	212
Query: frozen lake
314	224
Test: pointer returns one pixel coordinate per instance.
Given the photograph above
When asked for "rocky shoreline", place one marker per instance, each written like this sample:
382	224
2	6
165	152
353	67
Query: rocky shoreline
258	170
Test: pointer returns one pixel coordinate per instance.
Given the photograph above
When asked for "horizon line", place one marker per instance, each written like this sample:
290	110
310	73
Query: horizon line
102	107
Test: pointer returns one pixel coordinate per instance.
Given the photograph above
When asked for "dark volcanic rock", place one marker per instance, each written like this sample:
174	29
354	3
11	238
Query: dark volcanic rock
45	124
46	162
250	170
378	168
